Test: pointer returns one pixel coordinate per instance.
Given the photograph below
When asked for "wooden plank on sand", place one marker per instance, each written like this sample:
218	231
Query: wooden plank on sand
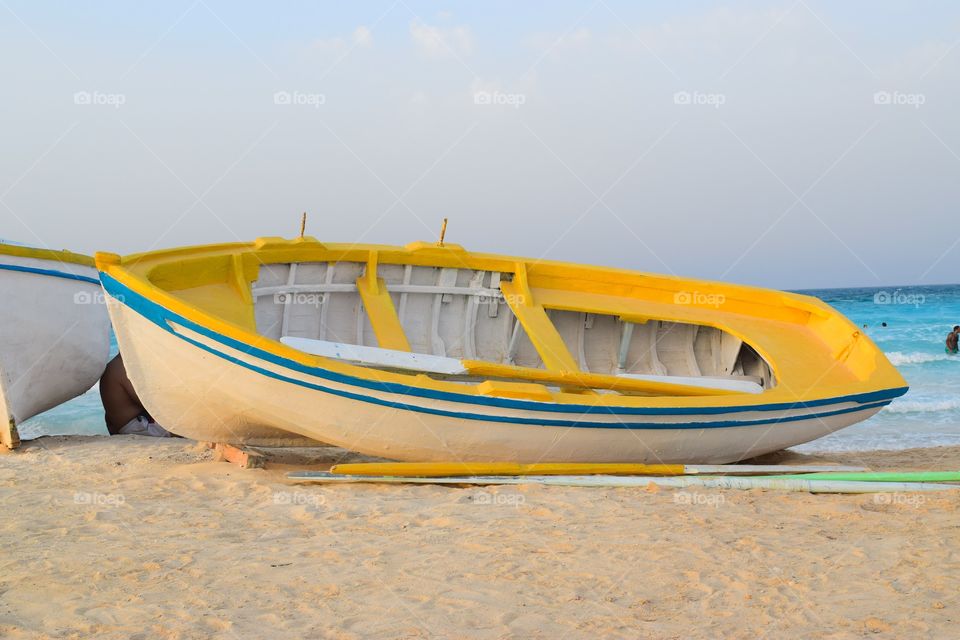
243	458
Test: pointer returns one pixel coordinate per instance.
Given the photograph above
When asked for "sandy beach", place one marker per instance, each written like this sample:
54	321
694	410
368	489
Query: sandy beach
129	537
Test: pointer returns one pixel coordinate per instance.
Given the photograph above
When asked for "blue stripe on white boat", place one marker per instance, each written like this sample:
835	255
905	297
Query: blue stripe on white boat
541	422
159	315
49	272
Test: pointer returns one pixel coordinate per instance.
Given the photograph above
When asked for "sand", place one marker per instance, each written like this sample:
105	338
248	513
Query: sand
129	537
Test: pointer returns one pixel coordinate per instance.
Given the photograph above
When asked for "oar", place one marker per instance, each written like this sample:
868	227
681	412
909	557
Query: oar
732	482
883	476
444	366
435	469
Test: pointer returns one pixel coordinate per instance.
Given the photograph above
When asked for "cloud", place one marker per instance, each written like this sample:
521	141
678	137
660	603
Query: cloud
437	42
362	36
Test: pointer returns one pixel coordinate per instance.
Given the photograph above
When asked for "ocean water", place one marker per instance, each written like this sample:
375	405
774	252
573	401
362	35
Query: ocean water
918	320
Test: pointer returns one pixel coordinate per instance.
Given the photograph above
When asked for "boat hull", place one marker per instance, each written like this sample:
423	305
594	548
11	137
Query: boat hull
207	386
55	334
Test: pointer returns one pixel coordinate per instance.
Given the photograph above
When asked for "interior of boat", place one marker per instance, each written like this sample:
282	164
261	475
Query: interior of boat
445	317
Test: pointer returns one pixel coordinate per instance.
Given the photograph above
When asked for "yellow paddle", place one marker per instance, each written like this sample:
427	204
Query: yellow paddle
438	469
443	469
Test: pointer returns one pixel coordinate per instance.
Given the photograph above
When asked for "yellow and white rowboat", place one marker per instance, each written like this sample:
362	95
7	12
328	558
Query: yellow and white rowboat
54	332
430	352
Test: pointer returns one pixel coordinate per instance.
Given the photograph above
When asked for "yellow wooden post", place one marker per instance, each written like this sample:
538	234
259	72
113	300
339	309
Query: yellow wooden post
379	307
544	336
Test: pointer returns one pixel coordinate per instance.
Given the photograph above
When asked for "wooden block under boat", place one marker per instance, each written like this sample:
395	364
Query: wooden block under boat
243	458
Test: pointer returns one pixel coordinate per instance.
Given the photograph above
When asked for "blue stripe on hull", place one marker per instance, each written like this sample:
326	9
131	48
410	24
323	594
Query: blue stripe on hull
159	316
544	422
49	272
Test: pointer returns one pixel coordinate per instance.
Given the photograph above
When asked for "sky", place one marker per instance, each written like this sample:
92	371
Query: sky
795	144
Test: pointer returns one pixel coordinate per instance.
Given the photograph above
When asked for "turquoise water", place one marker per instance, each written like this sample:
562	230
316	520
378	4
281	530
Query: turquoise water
918	320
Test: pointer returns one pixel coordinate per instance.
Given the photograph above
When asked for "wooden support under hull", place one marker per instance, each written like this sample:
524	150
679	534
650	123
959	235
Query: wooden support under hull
9	437
243	458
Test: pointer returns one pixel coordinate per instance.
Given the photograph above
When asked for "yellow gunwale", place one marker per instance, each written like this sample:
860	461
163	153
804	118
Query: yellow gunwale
46	254
783	345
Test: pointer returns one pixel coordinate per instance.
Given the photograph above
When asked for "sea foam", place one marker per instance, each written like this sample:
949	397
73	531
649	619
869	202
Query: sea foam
898	358
923	406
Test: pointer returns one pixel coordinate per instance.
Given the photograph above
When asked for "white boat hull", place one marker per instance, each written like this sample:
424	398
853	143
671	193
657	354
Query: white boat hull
203	386
54	337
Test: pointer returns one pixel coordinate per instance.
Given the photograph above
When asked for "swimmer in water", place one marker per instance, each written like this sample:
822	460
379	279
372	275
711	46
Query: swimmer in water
952	339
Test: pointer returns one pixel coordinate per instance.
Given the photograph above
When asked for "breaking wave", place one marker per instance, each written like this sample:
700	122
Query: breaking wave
923	406
898	358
